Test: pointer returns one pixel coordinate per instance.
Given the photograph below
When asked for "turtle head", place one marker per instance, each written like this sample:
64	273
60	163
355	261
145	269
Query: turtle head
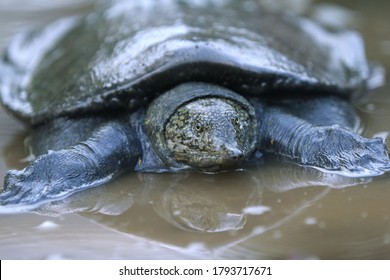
203	126
210	133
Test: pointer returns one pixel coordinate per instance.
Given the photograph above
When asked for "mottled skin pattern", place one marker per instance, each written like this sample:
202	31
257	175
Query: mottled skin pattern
210	134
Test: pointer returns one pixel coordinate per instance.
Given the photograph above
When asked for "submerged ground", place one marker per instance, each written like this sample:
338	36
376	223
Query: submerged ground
278	211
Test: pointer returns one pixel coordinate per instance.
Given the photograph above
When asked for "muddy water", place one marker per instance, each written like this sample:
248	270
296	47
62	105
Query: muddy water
277	211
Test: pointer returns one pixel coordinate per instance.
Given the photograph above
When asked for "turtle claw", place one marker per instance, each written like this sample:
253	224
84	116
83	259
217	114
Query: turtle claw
58	174
369	164
39	181
4	197
51	176
334	149
368	158
19	190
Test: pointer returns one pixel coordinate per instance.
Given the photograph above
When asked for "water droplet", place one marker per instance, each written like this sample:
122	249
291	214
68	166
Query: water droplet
258	230
256	210
311	221
364	214
197	247
47	225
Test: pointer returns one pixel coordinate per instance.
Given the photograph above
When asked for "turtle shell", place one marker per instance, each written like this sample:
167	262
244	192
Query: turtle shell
123	55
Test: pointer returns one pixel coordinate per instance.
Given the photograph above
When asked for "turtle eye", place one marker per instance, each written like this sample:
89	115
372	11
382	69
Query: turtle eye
198	127
236	121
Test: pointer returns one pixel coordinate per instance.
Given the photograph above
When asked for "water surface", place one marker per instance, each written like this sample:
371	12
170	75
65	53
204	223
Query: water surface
277	211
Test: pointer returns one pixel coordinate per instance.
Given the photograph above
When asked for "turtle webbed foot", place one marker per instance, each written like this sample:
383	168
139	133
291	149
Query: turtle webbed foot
87	164
335	149
41	180
19	189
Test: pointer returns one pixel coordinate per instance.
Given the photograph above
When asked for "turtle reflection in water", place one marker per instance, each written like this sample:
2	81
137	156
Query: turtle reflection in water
177	85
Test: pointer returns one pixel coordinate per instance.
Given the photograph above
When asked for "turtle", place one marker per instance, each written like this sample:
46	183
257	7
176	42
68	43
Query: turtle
163	86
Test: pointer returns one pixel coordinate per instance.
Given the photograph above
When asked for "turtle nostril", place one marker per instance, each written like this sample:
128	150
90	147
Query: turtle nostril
232	154
236	155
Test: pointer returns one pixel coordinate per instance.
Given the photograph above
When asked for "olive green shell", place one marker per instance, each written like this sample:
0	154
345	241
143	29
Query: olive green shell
123	55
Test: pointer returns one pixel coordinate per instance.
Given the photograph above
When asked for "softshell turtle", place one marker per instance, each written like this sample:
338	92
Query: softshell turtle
168	85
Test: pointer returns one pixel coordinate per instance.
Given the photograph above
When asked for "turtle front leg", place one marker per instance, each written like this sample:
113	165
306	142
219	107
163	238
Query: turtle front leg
111	149
331	148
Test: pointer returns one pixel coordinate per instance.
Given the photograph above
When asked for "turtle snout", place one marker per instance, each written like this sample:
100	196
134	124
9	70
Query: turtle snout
236	154
233	154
